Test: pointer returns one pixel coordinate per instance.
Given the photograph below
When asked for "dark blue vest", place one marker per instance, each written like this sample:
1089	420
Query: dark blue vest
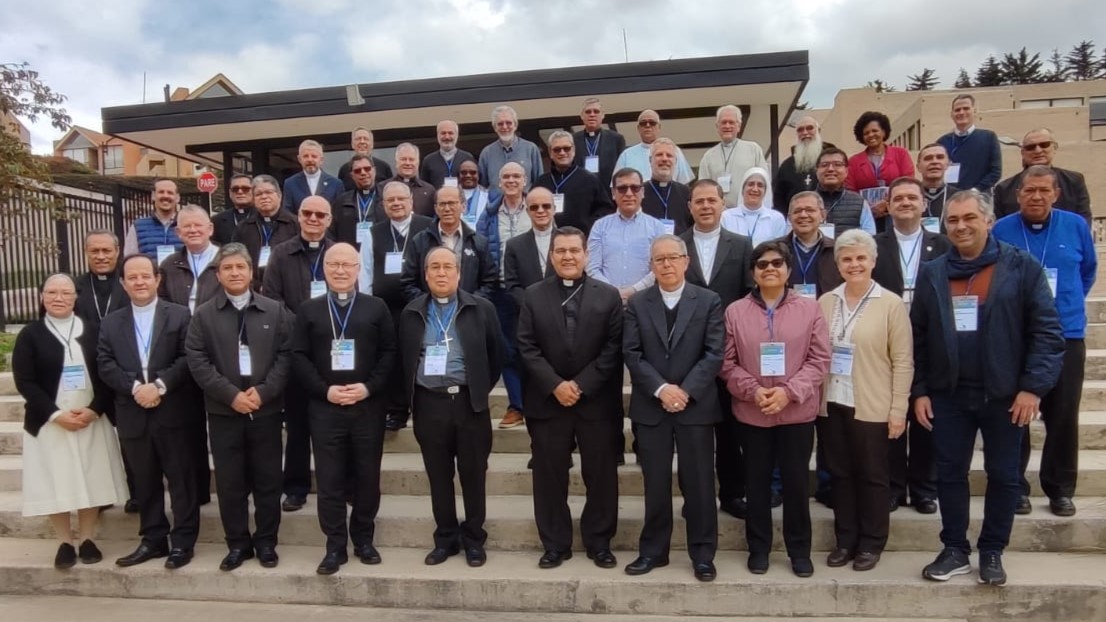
151	233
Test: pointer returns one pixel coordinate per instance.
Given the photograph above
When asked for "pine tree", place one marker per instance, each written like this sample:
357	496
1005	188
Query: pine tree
1021	68
1058	72
1081	64
990	73
963	81
880	86
925	81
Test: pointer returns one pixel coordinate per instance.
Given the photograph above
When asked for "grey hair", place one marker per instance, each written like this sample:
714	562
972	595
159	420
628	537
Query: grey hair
398	184
804	195
663	141
728	108
668	237
557	134
407	147
591	100
498	110
854	238
310	143
983	200
192	208
521	168
266	179
233	249
1045	130
107	232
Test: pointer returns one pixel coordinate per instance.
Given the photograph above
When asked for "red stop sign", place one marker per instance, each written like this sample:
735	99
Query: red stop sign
207	182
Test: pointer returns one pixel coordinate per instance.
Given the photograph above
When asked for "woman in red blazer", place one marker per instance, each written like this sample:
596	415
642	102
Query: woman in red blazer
879	163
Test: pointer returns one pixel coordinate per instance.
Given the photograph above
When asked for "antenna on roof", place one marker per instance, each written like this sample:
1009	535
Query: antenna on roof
625	47
143	87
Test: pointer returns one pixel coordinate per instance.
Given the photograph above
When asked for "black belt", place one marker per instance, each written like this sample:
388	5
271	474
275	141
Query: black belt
452	390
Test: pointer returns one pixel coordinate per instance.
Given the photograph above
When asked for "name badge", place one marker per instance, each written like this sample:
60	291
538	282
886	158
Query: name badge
965	313
908	282
245	363
1052	274
952	174
73	378
828	229
591	164
469	220
931	224
449	182
263	258
436	357
806	290
318	288
163	252
669	226
393	263
364	231
558	203
341	355
724	182
841	361
773	360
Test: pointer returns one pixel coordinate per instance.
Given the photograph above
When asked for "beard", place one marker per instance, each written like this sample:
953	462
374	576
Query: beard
806	154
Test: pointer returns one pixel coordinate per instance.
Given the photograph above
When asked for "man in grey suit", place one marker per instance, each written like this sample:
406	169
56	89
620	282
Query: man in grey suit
672	343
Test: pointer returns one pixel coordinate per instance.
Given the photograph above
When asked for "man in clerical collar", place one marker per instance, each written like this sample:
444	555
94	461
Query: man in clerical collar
188	277
509	147
407	171
974	153
1039	148
241	204
579	197
727	161
155	235
618	246
359	208
597	148
933	162
268	225
361	141
845	209
442	168
665	199
799	171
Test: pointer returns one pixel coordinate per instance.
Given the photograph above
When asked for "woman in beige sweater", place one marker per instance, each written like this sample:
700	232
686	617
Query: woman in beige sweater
871	369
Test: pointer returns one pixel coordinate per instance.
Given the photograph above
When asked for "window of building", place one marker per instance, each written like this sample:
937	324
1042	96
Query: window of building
113	160
77	155
1059	102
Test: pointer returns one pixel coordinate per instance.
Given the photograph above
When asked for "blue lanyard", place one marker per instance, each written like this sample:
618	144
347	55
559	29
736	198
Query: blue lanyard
906	260
436	313
363	205
1048	236
449	166
664	199
557	186
195	266
745	219
592	148
877	167
166	234
468	204
771	322
342	322
267	232
315	266
145	341
957	143
803	268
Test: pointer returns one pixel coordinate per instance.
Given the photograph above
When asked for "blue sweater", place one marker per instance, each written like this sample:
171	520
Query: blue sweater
979	157
1065	244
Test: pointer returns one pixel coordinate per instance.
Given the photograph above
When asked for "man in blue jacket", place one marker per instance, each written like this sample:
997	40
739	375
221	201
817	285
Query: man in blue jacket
1061	241
987	347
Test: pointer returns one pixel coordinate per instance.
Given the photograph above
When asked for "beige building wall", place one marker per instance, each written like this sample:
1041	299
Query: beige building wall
920	117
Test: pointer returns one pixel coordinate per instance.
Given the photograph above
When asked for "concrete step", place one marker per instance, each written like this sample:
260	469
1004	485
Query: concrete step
405	522
1042	586
90	609
1096	307
7	383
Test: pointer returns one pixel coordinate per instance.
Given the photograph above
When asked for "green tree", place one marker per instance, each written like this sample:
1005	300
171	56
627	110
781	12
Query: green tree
990	73
23	94
1081	64
963	81
1057	72
880	86
925	81
1021	68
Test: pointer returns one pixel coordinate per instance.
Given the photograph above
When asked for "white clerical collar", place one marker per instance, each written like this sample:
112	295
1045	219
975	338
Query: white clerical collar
145	310
313	245
660	183
967	132
239	301
707	235
343	295
443	300
101	277
908	237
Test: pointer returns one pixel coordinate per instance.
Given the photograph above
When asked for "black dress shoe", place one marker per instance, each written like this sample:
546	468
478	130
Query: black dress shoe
439	555
552	559
865	561
925	505
1062	506
178	558
825	497
332	561
66	556
293	502
734	507
777	499
235	558
603	559
89	553
839	557
802	567
1023	506
394	422
142	554
758	563
131	506
704	571
475	556
642	565
367	553
267	556
894	504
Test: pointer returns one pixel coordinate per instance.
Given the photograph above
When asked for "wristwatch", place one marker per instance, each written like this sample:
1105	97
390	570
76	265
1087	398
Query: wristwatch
161	389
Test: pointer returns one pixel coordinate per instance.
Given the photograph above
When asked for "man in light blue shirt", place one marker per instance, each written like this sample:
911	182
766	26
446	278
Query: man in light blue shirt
508	148
618	247
637	156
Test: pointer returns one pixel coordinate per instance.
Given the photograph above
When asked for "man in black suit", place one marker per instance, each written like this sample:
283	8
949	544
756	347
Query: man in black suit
241	206
579	197
382	265
570	342
719	261
239	350
597	149
357	209
141	357
452	351
672	342
527	258
266	226
344	348
901	250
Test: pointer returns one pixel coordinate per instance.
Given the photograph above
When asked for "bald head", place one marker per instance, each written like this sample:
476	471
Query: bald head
648	126
341	265
540	207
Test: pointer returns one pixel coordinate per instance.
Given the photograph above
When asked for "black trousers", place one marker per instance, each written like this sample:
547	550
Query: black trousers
395	393
247	461
694	447
157	454
1060	413
788	446
342	438
856	457
910	462
552	441
297	448
729	459
454	438
203	464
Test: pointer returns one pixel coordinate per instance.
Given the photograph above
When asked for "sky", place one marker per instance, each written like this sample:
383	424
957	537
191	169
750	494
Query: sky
98	53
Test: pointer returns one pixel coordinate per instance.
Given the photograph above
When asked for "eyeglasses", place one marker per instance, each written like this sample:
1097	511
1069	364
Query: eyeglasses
449	204
665	259
648	123
361	169
834	164
309	214
335	265
240	188
777	263
560	149
66	295
540	207
628	188
1035	146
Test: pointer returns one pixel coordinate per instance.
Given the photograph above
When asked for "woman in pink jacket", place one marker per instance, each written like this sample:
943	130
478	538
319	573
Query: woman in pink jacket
776	359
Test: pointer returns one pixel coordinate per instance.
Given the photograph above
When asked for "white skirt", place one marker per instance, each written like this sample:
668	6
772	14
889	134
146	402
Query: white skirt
65	471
